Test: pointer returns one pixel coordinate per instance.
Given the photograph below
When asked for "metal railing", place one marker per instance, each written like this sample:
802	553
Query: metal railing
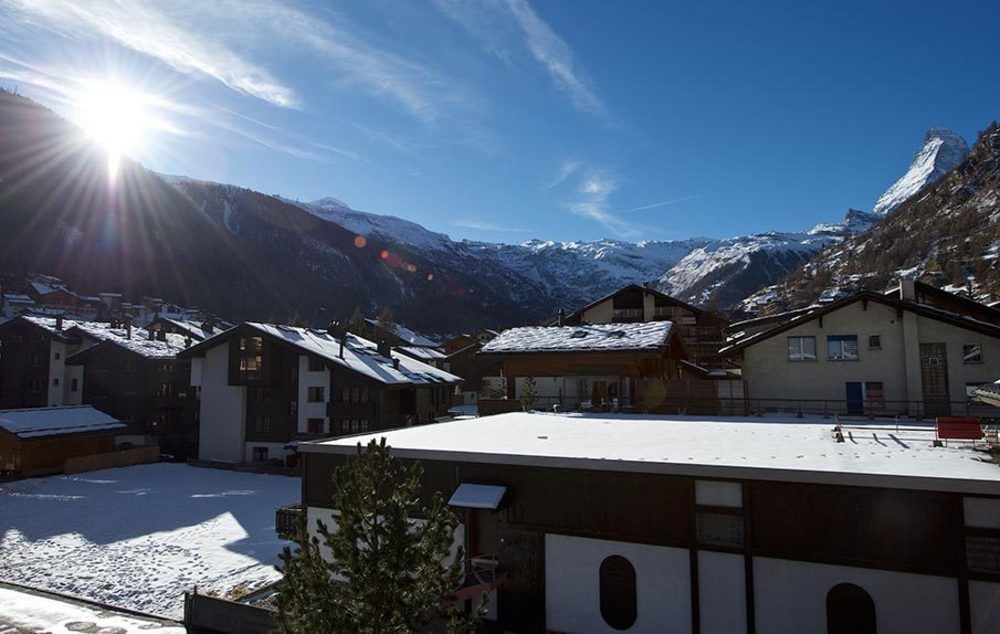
288	521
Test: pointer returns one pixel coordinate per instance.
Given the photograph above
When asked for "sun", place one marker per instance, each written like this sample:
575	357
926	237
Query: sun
116	117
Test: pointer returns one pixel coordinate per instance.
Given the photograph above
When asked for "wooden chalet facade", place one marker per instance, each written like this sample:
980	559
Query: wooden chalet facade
705	527
701	331
38	441
136	376
625	366
265	386
33	372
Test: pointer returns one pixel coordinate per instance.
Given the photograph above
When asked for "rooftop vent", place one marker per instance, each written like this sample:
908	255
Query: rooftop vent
579	334
617	334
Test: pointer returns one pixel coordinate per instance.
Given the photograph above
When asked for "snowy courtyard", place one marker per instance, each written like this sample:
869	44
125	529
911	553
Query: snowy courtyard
138	537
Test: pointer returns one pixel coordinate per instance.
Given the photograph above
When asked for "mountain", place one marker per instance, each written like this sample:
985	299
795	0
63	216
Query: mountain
948	234
941	152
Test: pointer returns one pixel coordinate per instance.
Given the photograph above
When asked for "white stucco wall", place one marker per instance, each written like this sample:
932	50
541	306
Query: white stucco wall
222	428
196	365
721	593
275	450
572	587
790	597
70	397
57	371
769	373
307	410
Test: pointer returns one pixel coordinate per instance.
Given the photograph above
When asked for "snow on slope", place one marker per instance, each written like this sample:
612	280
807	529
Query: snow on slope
366	224
138	537
942	150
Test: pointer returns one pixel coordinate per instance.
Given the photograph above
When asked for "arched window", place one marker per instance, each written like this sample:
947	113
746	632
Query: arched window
849	610
618	599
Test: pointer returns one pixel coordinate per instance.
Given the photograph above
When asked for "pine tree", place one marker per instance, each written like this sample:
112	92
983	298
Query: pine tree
385	574
386	321
529	393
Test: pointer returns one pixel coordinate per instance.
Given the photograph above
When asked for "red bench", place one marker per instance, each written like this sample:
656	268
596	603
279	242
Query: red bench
959	428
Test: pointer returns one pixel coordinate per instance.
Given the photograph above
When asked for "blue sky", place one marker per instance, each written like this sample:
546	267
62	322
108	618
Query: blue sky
506	120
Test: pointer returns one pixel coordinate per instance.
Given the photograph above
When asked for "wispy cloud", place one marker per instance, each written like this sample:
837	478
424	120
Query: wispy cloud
488	226
593	192
567	169
150	29
663	203
493	20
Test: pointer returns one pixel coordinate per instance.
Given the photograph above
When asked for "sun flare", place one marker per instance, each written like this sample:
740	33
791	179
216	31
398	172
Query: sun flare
116	117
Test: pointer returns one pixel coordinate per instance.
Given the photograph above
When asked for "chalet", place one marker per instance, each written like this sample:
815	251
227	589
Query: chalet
136	376
473	368
33	370
430	356
626	365
709	526
38	441
701	331
872	354
264	386
197	331
16	305
464	340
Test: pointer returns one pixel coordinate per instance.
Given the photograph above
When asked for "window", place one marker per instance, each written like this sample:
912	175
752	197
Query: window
619	605
315	364
74	385
842	347
874	342
982	552
293	408
874	395
354	394
262	424
316	394
57	356
849	610
166	366
34	385
972	353
354	426
315	425
802	348
37	360
55	382
970	391
720	529
250	356
260	454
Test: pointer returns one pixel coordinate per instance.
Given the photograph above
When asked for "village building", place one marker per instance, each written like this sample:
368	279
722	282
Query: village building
701	331
395	335
197	331
135	375
38	441
464	340
873	354
631	366
712	526
430	356
16	305
481	375
265	386
33	370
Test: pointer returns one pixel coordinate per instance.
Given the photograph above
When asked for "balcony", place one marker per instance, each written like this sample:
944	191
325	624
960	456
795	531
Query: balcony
627	314
287	521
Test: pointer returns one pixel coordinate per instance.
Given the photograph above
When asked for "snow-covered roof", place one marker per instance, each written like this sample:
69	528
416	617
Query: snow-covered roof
424	354
139	341
360	355
779	447
195	329
45	288
53	421
408	335
17	298
642	336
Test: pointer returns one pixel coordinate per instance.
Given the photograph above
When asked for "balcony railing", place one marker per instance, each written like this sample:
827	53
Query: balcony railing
625	314
287	521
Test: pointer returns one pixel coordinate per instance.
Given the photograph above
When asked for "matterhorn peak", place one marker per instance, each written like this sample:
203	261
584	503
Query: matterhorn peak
942	150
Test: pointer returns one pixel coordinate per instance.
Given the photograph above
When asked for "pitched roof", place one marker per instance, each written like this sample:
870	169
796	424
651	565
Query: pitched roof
195	329
932	312
53	421
422	354
407	335
138	342
360	355
589	338
645	289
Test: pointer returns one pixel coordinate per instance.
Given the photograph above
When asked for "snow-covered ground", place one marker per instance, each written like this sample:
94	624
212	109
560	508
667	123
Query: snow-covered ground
138	537
24	611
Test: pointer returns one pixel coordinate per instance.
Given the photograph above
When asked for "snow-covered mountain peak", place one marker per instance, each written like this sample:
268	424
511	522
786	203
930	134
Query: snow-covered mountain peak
376	225
942	150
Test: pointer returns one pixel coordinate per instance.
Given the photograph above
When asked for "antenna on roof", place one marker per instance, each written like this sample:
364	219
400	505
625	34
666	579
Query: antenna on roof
562	317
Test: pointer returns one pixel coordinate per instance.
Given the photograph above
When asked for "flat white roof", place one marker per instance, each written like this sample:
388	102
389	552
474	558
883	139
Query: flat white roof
588	337
53	421
780	448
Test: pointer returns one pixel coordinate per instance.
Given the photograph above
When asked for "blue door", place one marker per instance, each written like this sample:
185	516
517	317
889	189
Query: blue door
855	398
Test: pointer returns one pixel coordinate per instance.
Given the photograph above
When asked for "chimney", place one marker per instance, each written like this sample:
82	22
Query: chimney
59	323
208	326
128	330
562	317
343	341
395	363
187	342
161	335
384	349
907	289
